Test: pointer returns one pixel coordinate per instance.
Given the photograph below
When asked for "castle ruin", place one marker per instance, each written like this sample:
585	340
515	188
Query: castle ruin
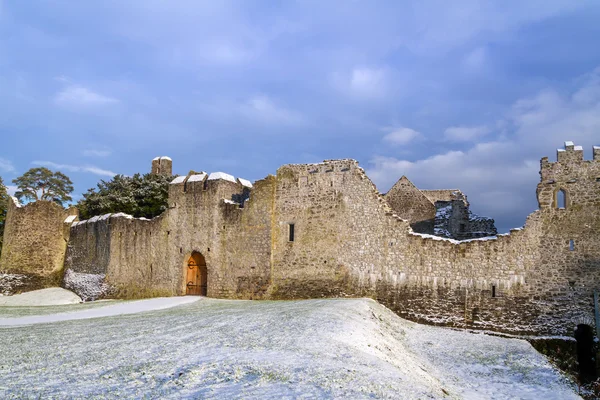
323	230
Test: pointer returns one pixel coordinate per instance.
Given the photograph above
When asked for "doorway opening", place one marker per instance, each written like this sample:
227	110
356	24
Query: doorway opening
196	275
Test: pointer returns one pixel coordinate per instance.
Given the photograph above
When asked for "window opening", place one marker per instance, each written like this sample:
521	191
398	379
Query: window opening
571	245
561	199
291	232
493	290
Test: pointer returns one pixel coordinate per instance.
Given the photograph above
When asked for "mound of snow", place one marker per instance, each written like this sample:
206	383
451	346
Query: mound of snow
43	297
333	348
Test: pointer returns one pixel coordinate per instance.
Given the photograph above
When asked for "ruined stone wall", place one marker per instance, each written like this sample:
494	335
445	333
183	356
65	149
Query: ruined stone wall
411	204
462	224
348	241
436	195
143	258
35	238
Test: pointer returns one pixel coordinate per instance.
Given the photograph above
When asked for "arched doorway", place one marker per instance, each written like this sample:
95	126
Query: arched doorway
196	275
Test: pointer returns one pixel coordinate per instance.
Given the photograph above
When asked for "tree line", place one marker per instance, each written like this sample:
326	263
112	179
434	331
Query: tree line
138	195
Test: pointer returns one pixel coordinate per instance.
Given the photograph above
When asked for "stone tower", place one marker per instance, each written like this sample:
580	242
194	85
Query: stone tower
162	166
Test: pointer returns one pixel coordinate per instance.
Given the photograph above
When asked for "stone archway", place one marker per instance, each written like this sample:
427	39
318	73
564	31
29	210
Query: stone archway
196	274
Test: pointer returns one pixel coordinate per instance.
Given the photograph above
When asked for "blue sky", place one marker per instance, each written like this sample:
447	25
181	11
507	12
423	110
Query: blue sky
453	94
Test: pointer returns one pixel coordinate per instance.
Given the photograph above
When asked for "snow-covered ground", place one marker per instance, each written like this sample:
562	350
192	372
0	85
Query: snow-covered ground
43	297
223	349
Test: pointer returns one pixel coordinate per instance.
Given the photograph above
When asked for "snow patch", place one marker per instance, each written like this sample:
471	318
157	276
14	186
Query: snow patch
578	148
70	219
9	283
43	297
16	202
179	179
87	286
197	178
454	241
221	175
117	215
245	183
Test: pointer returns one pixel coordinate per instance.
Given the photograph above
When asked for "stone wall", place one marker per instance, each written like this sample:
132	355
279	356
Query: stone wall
411	204
436	195
35	238
162	166
454	219
348	241
149	257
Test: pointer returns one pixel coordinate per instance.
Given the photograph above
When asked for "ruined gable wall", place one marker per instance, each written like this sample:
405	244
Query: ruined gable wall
35	238
410	204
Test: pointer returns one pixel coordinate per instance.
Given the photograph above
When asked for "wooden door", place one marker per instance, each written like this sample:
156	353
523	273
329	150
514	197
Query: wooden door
196	276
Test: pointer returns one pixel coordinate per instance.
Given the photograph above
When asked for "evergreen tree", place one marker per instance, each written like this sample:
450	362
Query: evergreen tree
140	196
4	199
43	184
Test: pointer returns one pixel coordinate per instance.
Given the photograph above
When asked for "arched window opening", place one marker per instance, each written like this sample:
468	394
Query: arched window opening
561	199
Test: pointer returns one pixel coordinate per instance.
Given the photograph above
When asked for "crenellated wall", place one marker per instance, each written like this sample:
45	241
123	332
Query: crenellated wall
348	241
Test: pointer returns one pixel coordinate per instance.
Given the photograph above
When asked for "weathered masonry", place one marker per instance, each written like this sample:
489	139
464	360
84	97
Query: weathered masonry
319	230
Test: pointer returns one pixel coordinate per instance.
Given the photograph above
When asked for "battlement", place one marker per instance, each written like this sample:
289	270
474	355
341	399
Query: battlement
572	153
217	186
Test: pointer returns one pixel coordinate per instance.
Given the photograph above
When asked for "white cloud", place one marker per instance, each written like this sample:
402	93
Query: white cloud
104	152
363	82
465	133
263	109
400	136
6	165
75	95
500	175
75	168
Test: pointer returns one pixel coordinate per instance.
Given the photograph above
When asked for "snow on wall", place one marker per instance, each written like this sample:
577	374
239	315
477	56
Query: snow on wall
87	286
197	177
221	175
245	183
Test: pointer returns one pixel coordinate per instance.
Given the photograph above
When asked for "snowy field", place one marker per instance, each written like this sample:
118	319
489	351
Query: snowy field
224	349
